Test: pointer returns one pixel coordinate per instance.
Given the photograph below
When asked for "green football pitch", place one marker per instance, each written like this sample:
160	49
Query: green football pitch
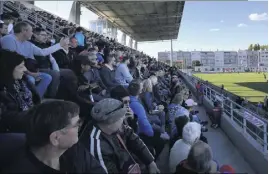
253	86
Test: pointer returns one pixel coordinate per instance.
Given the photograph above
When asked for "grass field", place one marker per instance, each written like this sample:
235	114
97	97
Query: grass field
253	86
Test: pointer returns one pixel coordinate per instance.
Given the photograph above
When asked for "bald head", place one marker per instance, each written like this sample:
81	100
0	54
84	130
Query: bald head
200	157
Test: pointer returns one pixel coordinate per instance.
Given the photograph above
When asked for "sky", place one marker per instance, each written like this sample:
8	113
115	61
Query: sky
205	25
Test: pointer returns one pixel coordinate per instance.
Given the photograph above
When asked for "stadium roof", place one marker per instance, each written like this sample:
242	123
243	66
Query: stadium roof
142	20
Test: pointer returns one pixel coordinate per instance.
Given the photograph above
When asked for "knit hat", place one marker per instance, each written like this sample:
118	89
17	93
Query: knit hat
108	111
226	169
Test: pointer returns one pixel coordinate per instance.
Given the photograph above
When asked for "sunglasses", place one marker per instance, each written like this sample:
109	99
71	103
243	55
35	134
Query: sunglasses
118	108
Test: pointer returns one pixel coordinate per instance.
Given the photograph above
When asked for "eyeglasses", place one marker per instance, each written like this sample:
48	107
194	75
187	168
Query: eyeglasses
118	108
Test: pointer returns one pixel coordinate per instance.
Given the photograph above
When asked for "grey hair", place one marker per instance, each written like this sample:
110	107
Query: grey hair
200	157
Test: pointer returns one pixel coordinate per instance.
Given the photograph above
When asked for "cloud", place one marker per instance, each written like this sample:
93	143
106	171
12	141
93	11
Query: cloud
258	17
214	29
222	21
242	25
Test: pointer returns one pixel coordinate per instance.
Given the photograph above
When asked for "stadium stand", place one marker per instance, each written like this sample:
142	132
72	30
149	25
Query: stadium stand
111	111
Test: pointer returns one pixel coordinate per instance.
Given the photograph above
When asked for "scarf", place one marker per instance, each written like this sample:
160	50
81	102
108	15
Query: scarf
22	95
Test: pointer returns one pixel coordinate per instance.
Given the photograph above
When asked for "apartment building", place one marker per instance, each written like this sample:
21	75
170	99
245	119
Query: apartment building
263	60
242	58
221	60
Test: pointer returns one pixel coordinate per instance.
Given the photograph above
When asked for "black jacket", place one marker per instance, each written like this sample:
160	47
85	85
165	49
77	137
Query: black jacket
111	154
12	119
108	77
76	159
43	61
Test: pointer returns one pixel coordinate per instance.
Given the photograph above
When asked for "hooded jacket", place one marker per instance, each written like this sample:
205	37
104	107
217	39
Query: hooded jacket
180	150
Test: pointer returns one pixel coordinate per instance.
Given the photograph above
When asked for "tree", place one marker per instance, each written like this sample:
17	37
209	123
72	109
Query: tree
250	47
196	63
255	47
258	47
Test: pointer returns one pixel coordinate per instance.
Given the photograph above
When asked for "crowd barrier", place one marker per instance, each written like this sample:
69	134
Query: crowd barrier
247	130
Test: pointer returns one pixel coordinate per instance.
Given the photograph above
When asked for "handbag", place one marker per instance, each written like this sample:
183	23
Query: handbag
134	168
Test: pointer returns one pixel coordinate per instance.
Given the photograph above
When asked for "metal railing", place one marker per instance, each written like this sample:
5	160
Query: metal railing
35	18
249	105
252	126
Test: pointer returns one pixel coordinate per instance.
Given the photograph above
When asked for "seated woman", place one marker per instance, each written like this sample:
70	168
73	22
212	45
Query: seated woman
16	93
156	115
176	110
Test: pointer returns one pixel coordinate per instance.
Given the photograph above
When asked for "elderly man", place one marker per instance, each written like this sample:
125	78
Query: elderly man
200	160
113	143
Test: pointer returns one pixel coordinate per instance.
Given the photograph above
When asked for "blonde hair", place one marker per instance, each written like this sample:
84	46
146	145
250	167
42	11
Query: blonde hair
154	80
147	85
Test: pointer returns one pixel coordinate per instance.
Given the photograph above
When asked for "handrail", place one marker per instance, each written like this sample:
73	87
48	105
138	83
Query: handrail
53	28
252	126
249	105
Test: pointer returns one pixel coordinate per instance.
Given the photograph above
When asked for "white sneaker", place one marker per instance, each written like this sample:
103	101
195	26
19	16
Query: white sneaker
165	136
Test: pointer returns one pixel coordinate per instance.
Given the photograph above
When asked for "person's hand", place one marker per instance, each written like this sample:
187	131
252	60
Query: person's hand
153	169
83	87
129	113
103	92
36	76
160	107
64	42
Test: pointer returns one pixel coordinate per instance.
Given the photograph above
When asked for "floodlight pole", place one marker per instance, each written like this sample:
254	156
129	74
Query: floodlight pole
171	54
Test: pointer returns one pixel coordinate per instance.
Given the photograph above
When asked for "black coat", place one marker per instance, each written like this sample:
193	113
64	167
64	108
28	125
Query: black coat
112	156
76	159
12	118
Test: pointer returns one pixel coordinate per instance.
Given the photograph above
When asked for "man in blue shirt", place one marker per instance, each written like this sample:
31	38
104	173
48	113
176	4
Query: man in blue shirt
151	134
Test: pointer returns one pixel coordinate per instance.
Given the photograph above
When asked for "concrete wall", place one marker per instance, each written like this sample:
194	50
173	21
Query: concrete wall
255	158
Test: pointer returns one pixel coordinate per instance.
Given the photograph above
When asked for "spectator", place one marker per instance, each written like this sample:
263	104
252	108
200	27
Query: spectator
51	133
107	73
80	37
93	77
175	86
48	64
100	54
180	150
19	42
176	110
113	139
216	115
16	93
3	29
155	113
122	73
199	160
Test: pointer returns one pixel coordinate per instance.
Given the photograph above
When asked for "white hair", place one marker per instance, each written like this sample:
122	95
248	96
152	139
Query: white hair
154	80
191	132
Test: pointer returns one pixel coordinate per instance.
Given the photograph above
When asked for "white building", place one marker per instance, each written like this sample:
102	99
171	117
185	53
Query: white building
208	59
185	57
242	58
263	60
220	61
253	60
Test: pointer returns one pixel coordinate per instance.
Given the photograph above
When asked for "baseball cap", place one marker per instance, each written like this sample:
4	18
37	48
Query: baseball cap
108	111
190	102
226	169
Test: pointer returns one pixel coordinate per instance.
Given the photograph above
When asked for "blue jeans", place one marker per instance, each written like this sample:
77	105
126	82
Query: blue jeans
42	85
158	120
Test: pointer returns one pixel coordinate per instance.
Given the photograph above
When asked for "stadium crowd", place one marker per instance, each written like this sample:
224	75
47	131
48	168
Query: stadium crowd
86	104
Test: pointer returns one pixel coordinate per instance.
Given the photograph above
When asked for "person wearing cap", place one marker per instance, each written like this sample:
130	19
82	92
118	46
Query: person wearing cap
106	135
